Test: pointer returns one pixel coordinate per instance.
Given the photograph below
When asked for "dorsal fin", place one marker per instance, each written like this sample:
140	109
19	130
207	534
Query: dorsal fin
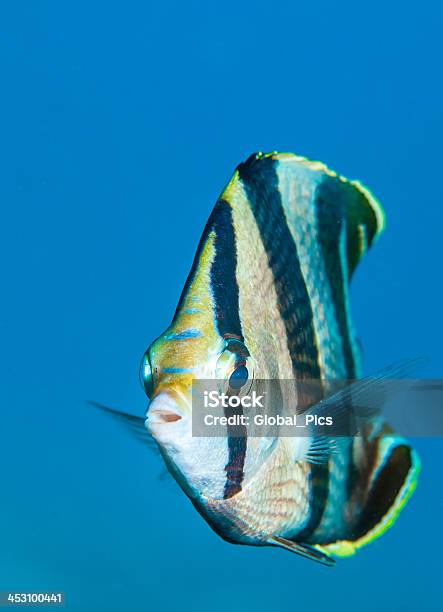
365	219
310	184
316	226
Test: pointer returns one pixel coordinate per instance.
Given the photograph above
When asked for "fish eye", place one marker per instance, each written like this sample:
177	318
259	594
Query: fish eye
239	377
234	369
145	375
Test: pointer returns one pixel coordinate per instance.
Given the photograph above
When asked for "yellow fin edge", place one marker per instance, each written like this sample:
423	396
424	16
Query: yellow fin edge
347	548
321	167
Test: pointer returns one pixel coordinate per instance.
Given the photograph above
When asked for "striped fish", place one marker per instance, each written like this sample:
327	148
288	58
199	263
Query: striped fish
267	298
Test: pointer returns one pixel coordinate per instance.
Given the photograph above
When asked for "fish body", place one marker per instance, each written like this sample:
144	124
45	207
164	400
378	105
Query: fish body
267	298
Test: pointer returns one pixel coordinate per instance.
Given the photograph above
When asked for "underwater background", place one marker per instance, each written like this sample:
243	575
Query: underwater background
121	124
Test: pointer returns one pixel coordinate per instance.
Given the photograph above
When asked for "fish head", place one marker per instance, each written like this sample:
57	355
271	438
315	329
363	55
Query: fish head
205	342
203	466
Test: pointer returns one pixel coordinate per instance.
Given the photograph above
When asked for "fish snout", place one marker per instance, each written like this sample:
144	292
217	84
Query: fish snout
164	411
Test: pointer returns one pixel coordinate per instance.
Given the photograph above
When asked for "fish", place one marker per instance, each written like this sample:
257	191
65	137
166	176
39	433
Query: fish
267	298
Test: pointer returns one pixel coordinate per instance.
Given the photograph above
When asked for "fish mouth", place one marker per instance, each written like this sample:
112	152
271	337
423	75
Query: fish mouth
163	411
162	415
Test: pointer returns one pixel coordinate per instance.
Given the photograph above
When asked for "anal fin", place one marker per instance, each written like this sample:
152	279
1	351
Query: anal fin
304	550
390	485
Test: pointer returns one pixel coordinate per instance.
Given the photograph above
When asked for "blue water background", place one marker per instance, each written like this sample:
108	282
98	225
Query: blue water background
121	123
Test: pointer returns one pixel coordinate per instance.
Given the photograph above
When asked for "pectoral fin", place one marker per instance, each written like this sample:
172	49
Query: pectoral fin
363	398
304	550
133	423
319	451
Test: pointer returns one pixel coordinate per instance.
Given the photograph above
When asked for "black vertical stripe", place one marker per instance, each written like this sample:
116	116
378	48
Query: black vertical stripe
237	445
224	287
260	181
351	478
385	490
224	272
226	304
319	489
330	221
